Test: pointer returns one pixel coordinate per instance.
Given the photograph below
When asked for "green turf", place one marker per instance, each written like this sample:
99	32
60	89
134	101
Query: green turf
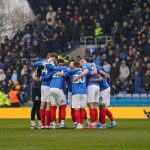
129	134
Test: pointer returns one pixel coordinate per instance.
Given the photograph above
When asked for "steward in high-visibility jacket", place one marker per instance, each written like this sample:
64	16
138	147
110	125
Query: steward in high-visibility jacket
98	31
63	57
14	97
4	101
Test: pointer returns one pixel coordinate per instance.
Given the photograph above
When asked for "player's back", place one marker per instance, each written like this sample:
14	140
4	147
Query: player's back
57	81
68	78
79	87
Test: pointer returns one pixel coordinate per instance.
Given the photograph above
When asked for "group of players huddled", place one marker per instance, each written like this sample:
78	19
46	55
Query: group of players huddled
85	84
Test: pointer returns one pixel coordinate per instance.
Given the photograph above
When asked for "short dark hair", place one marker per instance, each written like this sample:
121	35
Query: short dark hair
68	63
76	64
91	60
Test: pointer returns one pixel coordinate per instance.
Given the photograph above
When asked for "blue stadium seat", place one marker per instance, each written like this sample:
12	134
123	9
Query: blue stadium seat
113	100
143	96
120	100
135	99
128	99
144	100
120	95
129	96
148	96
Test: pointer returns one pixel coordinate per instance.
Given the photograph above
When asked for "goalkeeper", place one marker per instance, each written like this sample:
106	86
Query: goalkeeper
36	98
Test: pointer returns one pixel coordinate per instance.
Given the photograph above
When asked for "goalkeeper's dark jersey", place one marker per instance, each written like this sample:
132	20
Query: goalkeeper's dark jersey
36	91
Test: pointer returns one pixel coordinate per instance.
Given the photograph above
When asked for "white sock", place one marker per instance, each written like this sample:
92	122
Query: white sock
63	122
81	125
32	123
78	124
39	123
53	123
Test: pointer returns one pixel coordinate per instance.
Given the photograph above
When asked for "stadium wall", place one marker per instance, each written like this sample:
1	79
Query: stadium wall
118	112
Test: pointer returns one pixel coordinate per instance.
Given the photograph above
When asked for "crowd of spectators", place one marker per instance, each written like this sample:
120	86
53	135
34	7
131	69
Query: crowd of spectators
126	60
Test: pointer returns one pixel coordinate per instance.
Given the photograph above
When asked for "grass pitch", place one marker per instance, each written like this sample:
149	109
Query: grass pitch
129	134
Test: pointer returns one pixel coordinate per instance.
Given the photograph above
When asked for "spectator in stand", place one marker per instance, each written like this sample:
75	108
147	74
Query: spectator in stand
51	16
35	43
56	43
117	61
2	75
138	78
97	60
107	67
2	65
115	31
24	70
114	72
146	60
146	81
76	15
110	57
128	87
115	87
14	76
148	65
75	31
147	47
124	72
29	27
4	87
16	85
103	58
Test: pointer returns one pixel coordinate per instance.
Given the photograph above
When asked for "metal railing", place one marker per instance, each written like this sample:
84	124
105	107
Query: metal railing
91	40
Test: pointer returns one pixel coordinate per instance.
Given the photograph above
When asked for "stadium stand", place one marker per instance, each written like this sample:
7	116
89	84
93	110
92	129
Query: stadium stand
126	58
